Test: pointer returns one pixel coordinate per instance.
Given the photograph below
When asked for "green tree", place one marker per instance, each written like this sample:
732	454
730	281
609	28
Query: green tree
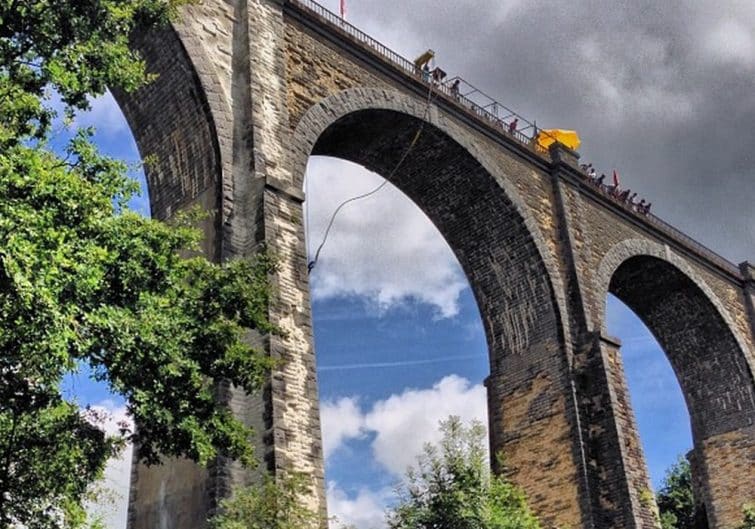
452	487
77	47
84	281
272	505
748	521
676	503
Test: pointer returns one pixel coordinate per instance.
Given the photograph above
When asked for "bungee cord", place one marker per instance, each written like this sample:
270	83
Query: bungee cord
343	204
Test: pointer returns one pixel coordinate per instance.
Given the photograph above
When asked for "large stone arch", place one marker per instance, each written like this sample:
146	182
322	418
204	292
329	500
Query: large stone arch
314	123
502	251
183	135
179	122
709	358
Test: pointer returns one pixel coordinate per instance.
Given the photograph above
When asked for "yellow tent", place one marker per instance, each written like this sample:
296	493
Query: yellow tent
570	138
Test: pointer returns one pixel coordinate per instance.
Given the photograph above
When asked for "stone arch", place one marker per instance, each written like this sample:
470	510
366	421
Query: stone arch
709	358
318	118
513	274
627	249
178	129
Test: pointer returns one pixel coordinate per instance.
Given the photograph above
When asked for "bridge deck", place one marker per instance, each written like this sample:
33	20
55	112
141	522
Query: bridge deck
489	116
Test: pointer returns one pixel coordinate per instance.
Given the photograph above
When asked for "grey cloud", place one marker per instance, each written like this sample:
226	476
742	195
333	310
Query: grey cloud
663	91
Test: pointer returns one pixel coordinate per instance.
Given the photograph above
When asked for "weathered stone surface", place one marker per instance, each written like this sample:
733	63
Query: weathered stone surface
249	89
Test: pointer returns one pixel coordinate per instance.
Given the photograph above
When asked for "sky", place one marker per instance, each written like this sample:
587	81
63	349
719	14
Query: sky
661	91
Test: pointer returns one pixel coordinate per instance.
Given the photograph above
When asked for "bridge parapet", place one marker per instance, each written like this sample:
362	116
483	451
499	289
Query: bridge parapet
485	114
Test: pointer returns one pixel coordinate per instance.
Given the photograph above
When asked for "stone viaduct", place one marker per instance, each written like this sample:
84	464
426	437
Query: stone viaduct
249	89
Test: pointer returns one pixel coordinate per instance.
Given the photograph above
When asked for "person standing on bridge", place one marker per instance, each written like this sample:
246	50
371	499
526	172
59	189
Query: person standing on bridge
426	73
455	89
513	125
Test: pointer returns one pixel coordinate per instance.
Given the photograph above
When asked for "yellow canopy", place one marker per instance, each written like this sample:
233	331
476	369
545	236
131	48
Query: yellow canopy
423	59
570	138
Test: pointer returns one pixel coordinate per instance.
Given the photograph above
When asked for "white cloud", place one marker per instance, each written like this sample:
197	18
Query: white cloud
404	423
341	420
365	511
112	504
731	41
382	248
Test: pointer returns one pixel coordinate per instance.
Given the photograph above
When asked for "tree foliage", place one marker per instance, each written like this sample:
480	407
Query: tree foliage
452	487
273	505
83	281
748	520
676	503
77	47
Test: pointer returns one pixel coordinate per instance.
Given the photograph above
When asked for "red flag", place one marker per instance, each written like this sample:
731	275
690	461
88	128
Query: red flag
615	178
343	9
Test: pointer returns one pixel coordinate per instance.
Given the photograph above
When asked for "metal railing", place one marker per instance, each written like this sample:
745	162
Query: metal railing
666	228
473	100
700	248
355	33
483	107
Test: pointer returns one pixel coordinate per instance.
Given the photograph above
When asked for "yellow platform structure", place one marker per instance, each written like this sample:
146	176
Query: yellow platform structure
547	137
423	59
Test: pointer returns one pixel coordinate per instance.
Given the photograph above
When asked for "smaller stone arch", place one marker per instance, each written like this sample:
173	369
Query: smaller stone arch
709	358
626	249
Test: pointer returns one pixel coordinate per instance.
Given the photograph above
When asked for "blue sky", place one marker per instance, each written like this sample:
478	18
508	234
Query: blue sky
398	338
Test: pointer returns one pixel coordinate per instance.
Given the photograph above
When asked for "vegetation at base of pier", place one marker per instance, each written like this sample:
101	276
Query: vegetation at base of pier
748	521
451	486
276	504
676	503
84	282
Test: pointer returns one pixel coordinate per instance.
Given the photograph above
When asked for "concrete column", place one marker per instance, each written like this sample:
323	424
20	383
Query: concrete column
617	479
621	492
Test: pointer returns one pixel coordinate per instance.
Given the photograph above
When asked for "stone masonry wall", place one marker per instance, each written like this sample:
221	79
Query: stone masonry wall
319	70
728	462
436	186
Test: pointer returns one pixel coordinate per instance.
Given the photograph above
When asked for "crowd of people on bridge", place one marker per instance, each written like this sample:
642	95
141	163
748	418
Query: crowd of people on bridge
614	190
